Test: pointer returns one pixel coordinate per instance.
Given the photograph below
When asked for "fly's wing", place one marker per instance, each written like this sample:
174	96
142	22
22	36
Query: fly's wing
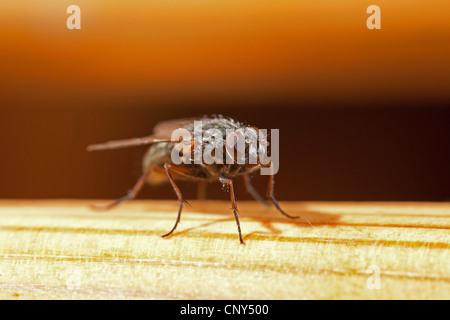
164	129
161	133
117	144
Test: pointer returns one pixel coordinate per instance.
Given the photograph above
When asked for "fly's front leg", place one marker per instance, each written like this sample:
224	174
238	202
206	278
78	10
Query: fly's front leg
171	168
229	182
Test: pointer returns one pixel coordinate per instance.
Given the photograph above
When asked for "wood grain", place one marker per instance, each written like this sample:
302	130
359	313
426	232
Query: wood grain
62	249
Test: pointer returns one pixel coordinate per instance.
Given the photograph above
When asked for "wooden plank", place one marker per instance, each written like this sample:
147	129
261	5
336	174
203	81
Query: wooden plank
61	249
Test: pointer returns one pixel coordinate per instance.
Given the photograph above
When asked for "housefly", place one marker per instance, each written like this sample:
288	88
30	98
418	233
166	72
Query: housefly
159	165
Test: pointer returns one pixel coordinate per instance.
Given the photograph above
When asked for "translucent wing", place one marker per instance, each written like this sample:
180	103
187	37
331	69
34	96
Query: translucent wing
161	133
164	129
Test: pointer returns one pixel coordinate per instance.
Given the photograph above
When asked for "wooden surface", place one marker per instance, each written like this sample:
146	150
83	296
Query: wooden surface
64	250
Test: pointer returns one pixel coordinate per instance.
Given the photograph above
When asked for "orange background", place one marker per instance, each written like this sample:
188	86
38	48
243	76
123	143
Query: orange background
248	48
363	114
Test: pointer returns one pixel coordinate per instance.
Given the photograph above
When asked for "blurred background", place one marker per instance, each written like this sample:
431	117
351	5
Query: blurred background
363	114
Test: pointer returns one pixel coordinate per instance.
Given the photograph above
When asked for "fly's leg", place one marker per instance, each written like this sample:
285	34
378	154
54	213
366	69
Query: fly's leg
201	190
252	190
229	182
132	193
271	196
169	167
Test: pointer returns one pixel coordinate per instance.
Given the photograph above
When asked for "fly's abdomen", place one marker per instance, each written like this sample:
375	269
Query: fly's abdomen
154	160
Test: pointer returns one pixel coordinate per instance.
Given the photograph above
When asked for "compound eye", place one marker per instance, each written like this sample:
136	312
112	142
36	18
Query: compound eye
235	145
